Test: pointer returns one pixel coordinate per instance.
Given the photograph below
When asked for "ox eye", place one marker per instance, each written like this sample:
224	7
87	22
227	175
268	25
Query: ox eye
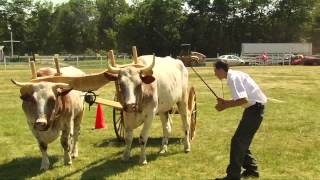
27	97
51	102
137	89
122	86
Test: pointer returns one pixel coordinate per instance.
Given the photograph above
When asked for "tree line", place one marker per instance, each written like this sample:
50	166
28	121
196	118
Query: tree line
160	26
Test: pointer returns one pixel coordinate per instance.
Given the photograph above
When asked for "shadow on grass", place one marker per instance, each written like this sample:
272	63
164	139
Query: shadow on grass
23	168
105	168
108	166
114	167
152	142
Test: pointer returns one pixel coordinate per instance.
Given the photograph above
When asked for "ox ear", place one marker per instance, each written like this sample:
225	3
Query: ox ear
111	76
62	89
63	92
147	79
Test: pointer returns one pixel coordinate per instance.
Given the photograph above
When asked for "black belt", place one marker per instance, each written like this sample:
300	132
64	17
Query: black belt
258	104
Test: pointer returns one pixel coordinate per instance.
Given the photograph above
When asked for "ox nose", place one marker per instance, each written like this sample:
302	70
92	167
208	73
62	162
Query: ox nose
131	107
41	124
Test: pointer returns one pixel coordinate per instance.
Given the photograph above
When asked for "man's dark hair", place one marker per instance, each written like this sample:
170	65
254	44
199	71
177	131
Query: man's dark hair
221	65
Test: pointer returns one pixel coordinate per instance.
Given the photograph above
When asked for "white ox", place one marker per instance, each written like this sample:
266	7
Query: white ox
143	94
51	108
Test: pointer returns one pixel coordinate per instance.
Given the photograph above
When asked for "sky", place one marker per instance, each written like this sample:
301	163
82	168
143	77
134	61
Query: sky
62	1
58	1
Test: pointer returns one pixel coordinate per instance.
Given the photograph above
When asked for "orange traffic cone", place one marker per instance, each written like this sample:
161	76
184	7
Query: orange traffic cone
99	118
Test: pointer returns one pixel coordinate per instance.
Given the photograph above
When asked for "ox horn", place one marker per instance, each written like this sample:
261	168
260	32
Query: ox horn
21	84
62	86
149	68
112	69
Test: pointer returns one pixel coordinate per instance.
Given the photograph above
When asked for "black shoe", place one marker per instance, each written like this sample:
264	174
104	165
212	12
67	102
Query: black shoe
227	178
250	174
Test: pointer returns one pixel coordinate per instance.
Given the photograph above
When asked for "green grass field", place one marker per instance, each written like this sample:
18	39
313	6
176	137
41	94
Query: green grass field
286	145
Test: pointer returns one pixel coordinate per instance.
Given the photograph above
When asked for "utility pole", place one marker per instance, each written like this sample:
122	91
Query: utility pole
11	40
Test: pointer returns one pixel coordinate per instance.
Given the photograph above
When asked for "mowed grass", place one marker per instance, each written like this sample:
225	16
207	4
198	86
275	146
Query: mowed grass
286	146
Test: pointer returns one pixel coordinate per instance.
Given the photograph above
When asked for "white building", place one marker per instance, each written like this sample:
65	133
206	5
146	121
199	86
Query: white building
278	53
276	48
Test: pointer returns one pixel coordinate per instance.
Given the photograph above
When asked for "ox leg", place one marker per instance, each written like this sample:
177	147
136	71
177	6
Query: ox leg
45	163
65	140
128	140
182	106
77	123
166	128
144	138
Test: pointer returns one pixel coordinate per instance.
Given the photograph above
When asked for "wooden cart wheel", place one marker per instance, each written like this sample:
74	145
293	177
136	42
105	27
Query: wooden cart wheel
192	108
118	123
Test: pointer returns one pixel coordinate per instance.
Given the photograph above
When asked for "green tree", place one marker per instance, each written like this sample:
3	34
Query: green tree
16	11
110	11
74	26
196	30
314	28
160	26
154	26
288	20
39	28
4	34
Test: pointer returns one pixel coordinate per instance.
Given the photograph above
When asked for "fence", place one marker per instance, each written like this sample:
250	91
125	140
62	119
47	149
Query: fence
85	61
274	59
70	60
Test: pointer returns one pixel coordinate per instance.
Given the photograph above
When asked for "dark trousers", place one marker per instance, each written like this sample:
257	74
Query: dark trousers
240	155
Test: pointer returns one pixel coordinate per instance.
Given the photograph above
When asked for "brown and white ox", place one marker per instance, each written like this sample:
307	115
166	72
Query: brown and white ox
51	108
149	90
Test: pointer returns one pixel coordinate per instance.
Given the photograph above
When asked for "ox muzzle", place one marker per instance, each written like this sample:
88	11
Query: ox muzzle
41	124
134	107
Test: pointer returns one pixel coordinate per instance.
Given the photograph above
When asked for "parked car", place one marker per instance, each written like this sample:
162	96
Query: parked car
305	60
231	60
310	60
287	59
296	59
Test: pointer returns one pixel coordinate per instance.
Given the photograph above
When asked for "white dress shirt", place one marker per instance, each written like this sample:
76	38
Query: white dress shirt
243	86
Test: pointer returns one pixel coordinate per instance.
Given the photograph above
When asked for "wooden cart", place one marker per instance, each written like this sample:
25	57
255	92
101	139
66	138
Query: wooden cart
118	121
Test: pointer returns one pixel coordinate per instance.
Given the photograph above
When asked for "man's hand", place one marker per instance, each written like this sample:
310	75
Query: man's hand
221	105
220	100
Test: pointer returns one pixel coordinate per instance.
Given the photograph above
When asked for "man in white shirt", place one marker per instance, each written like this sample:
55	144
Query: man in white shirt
245	93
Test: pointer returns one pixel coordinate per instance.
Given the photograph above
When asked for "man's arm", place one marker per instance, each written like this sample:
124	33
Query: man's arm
224	104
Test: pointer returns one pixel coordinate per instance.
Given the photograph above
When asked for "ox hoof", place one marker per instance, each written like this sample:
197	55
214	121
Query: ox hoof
44	168
187	150
45	163
126	156
143	162
163	150
68	163
74	156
